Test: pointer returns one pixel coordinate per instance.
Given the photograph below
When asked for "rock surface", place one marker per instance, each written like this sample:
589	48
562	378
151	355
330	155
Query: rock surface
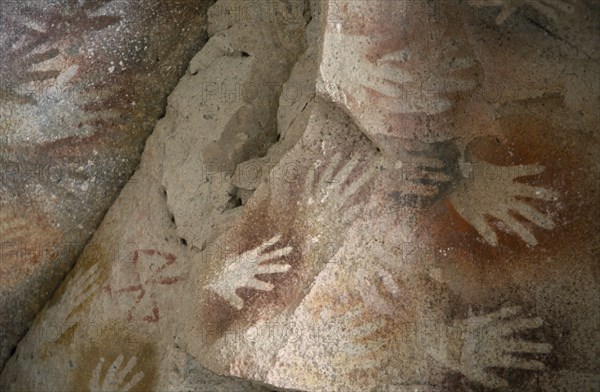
115	308
82	84
422	216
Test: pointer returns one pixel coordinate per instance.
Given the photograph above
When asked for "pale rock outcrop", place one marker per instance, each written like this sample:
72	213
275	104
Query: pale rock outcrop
427	221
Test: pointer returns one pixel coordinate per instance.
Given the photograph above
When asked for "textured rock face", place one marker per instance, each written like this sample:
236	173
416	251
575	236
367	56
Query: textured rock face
427	221
121	305
82	85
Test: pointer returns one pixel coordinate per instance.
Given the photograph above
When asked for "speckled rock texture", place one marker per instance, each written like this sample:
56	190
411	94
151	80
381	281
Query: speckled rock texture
82	84
352	196
121	306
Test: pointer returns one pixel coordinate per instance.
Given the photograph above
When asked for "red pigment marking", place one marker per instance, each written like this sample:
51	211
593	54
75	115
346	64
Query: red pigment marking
155	316
169	281
155	279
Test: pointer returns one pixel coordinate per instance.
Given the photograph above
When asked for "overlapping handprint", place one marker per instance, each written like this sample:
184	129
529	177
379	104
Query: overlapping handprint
240	271
114	378
327	196
491	341
66	313
408	92
33	39
492	192
42	72
396	76
424	171
473	346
